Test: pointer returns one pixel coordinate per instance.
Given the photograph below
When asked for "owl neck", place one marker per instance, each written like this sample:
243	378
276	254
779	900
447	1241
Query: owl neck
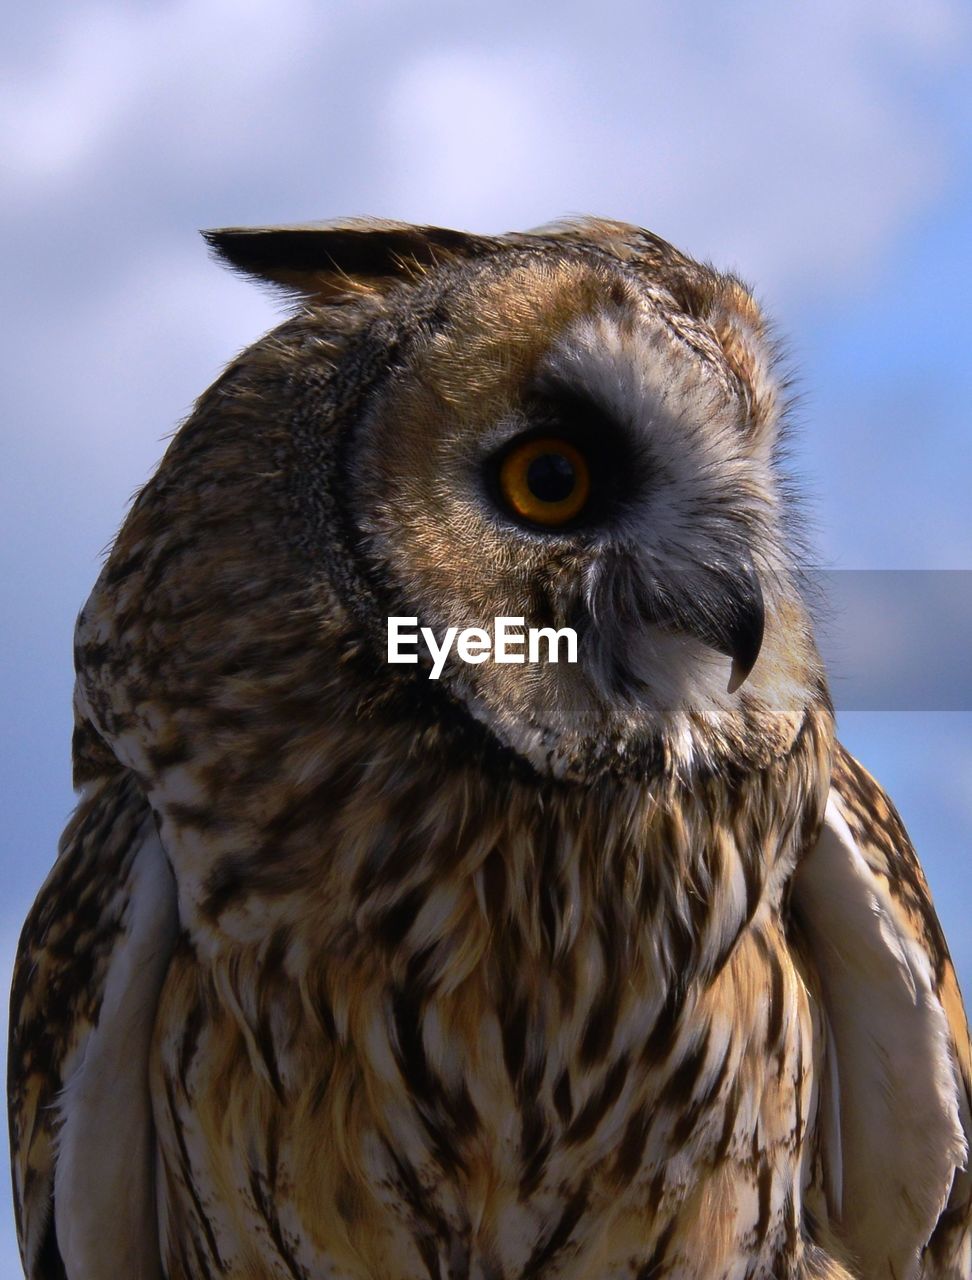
393	855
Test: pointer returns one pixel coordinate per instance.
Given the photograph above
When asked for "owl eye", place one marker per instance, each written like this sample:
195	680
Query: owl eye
545	480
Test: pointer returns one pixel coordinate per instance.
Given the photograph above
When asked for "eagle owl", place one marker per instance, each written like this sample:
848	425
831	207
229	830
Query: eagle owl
614	969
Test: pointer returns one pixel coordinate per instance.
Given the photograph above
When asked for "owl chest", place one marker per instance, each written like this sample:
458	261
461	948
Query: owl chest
406	1135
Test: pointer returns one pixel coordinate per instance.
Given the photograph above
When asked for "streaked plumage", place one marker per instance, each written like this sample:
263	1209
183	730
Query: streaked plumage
581	972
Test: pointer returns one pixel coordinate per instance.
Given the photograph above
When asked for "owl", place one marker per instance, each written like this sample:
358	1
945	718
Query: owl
610	969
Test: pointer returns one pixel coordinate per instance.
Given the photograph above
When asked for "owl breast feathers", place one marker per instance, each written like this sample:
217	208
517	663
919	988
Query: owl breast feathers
615	969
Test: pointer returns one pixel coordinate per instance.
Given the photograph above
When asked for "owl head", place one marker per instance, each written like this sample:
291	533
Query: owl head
576	426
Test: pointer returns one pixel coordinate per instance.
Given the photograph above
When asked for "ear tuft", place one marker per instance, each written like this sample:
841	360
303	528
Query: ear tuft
324	261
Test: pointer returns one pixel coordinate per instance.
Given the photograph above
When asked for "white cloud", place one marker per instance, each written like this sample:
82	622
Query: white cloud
465	134
110	71
774	137
784	138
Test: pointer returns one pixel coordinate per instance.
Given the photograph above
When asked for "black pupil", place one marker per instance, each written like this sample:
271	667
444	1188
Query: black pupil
551	477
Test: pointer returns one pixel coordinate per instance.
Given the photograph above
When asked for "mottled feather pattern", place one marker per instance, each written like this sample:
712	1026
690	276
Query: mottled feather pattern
561	1011
521	974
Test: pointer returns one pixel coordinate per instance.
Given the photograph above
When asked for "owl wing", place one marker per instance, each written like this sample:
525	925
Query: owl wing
896	1139
90	965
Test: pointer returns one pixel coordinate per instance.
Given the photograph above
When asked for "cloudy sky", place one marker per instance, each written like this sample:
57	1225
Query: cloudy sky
824	152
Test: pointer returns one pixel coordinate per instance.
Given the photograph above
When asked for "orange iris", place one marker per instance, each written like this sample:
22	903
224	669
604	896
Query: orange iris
545	480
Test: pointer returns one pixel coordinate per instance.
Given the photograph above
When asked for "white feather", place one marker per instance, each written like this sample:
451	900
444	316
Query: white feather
104	1183
900	1138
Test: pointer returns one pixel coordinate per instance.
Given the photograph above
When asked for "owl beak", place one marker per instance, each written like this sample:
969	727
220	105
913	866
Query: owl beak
724	608
744	633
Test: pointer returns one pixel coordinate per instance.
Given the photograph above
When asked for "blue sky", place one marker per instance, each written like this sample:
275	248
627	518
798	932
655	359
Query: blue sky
824	152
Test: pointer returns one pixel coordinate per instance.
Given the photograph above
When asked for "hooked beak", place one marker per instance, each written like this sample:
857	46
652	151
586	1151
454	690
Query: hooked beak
745	636
723	607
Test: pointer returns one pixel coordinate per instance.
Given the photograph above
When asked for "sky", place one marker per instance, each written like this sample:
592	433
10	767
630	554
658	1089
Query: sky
823	152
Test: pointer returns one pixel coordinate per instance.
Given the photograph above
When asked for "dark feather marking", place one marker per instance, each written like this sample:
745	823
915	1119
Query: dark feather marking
599	1102
347	1201
765	1187
693	1110
419	970
792	1226
393	925
656	1191
203	817
429	1252
544	1252
203	1268
165	755
659	1041
272	1150
264	1040
536	1142
551	895
267	1210
494	885
728	1125
463	1113
195	1021
424	1211
632	1146
50	1264
272	973
444	1116
235	875
800	1076
681	1084
513	1030
753	875
600	1028
392	859
774	1016
168	554
409	1049
562	1096
651	1269
188	1180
